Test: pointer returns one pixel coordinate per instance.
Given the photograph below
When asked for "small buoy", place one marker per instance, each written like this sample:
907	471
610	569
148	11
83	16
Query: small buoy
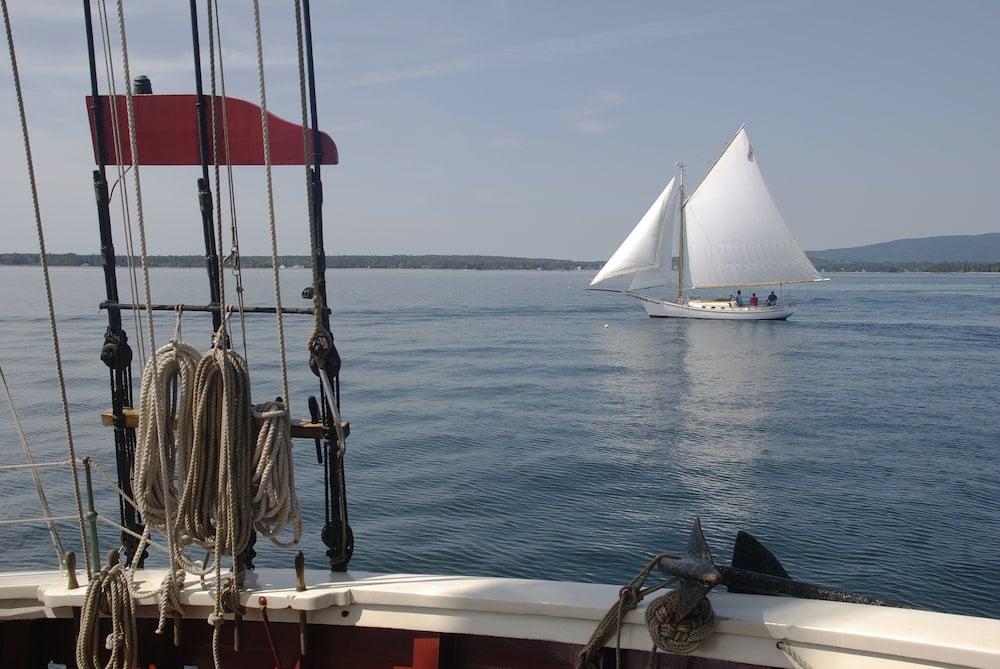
605	326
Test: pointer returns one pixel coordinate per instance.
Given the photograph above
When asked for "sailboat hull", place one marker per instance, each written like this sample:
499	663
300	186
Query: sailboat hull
713	310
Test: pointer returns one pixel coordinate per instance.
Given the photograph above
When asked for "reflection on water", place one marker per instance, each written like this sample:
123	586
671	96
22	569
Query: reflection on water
733	376
713	391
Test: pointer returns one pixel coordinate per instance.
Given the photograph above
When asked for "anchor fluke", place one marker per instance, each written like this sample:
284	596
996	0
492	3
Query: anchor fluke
754	570
696	571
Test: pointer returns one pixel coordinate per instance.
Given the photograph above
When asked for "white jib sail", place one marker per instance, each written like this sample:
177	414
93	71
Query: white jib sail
734	234
646	252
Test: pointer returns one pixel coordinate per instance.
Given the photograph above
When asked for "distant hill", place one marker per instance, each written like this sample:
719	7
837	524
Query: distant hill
945	249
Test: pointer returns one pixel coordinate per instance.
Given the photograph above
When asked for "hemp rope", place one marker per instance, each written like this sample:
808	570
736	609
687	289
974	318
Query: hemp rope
680	637
275	504
166	432
272	225
110	589
792	655
214	507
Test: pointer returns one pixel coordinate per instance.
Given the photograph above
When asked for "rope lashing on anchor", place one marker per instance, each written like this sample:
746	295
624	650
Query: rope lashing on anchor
109	591
678	636
667	633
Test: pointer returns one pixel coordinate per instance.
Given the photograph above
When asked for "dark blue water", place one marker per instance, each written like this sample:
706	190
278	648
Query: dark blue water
510	423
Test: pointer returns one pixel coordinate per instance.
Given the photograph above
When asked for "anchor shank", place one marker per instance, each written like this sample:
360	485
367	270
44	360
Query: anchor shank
763	584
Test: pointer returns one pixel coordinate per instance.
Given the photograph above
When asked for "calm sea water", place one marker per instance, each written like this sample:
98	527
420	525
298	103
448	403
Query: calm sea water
510	423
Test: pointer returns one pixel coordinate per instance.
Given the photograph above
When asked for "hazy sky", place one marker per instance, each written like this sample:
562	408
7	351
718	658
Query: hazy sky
545	128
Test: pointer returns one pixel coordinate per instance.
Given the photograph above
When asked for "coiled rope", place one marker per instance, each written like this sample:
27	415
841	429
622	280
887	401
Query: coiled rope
668	634
110	591
678	636
275	504
214	508
166	432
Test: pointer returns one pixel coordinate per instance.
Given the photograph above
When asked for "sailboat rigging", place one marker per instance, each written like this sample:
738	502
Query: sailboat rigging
196	431
730	235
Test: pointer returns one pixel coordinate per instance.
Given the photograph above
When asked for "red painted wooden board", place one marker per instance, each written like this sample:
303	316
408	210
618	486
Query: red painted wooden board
167	132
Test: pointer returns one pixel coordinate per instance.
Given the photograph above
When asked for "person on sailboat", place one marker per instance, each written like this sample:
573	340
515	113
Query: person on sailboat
772	300
739	298
753	300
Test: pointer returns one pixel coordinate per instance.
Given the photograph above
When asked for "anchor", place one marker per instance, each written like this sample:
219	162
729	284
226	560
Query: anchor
754	570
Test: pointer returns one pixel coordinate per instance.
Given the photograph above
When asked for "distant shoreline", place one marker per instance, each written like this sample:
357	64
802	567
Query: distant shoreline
473	262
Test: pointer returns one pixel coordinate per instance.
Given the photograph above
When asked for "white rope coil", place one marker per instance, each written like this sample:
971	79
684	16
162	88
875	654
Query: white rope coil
110	591
275	503
214	507
166	432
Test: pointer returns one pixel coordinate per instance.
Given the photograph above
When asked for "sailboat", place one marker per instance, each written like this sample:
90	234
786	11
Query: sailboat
125	612
730	236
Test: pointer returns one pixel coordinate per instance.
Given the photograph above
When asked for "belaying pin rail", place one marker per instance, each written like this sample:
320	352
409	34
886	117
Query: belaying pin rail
300	429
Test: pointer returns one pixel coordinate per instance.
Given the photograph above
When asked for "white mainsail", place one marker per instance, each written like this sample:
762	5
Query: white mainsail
734	234
646	252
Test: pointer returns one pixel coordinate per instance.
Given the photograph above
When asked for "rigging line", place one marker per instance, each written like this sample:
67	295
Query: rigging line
270	203
308	162
49	520
215	54
205	204
137	181
140	217
122	170
33	465
214	31
30	460
45	272
189	564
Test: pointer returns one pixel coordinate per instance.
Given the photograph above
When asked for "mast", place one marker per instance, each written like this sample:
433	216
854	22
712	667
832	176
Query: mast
337	533
116	352
680	239
204	194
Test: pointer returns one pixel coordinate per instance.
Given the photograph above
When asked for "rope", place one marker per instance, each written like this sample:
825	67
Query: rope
678	636
163	450
45	271
48	519
121	170
214	506
793	655
33	465
628	599
109	590
169	600
265	134
275	503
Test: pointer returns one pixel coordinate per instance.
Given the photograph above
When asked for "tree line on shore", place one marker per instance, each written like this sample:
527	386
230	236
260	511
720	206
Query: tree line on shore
470	262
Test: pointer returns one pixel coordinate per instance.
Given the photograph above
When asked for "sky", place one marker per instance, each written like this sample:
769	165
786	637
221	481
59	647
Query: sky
539	128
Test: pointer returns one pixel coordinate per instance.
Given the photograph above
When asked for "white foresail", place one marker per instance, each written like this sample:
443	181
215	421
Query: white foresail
646	252
734	234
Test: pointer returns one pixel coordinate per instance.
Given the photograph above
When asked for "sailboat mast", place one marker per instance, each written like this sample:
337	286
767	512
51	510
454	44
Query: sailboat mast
116	352
204	194
680	239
